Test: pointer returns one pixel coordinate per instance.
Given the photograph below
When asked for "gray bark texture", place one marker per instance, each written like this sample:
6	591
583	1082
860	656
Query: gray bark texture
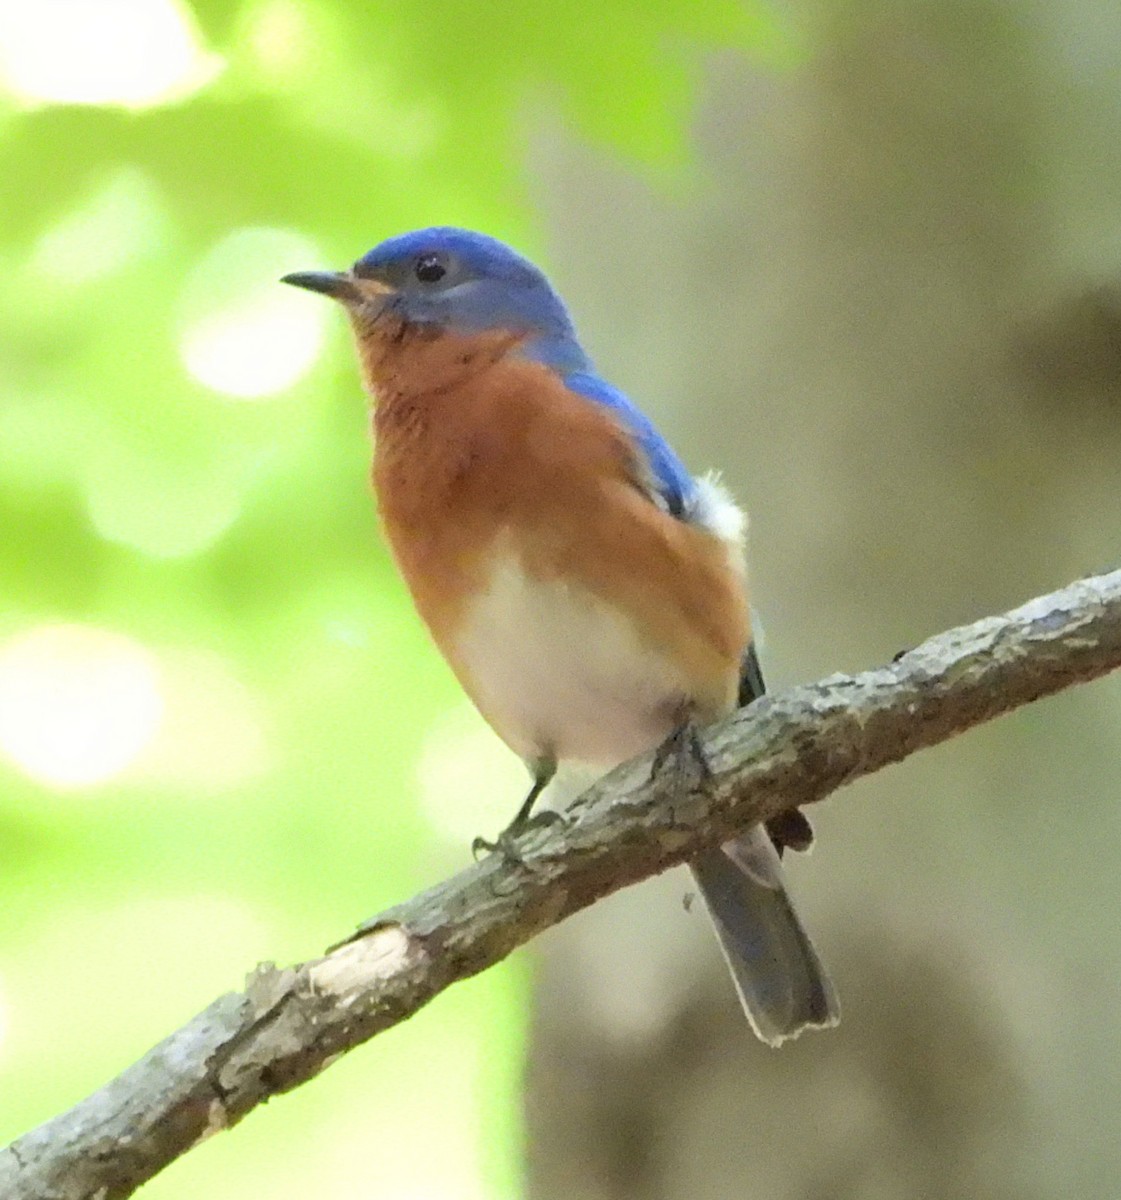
792	748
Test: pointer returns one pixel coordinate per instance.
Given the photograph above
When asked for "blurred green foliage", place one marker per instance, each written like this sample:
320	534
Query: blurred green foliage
219	719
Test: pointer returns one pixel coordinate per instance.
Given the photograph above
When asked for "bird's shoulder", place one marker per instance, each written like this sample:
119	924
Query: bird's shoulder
668	477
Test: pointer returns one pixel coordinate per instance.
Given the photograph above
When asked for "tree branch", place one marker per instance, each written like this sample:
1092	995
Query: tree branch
795	747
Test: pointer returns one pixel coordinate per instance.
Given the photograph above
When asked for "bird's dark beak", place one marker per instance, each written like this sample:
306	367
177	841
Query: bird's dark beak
339	285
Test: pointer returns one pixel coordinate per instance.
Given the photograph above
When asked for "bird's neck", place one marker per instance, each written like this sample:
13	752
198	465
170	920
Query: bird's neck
412	358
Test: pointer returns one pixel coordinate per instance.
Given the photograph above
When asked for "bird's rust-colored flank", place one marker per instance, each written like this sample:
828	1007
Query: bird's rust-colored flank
472	441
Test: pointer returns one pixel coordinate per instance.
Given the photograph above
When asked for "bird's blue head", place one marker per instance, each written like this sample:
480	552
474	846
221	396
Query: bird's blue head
462	281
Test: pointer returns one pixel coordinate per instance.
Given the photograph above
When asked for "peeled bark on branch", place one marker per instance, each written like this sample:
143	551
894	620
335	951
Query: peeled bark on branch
790	748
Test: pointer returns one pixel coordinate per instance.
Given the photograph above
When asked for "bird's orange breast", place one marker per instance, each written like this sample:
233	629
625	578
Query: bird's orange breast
474	445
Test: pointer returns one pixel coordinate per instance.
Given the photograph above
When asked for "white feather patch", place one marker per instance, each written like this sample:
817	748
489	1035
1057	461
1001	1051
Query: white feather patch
557	671
713	508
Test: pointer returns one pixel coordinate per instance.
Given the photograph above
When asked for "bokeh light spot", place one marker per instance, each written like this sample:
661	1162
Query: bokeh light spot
213	735
280	36
5	1022
469	781
307	51
77	703
140	501
119	223
133	53
245	334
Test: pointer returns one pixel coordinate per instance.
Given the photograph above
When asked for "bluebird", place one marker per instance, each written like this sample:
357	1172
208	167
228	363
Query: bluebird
588	592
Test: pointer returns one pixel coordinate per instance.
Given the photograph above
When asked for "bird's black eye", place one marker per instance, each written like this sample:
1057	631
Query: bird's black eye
429	268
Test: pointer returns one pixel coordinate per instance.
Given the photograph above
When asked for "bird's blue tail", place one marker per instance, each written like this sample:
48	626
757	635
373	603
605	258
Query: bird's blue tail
781	982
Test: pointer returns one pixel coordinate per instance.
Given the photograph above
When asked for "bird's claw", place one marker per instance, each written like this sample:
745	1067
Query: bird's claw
505	845
683	752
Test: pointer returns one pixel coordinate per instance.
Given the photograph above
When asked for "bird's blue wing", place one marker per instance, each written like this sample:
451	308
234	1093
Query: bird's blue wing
674	483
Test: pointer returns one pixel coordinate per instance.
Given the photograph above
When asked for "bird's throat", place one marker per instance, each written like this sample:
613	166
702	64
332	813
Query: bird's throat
401	358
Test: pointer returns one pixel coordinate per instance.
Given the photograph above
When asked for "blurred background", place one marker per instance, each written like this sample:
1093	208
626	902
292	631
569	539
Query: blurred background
864	256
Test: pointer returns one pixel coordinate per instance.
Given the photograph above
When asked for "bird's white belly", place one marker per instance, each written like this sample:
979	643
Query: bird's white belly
559	673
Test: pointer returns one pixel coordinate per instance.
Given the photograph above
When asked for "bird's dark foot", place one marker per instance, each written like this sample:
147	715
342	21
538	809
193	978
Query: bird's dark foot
504	843
544	768
683	753
790	830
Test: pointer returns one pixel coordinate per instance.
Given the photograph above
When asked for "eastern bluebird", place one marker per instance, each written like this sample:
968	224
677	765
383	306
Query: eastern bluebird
587	591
